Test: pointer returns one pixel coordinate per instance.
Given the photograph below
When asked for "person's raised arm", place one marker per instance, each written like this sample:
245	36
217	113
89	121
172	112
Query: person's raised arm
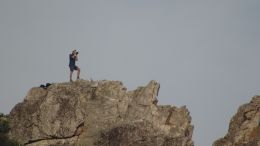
73	56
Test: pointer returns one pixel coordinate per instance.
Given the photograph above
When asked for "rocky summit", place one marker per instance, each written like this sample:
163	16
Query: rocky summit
101	113
244	128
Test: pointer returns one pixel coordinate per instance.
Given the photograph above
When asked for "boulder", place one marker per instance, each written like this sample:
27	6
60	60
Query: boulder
98	113
244	127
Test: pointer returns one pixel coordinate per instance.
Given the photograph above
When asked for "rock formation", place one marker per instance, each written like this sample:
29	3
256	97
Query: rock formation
244	128
98	113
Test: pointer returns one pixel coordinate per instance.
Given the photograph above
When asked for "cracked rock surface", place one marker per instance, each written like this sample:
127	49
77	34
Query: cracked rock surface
98	113
244	128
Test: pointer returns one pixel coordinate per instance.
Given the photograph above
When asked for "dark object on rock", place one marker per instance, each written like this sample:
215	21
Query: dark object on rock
45	86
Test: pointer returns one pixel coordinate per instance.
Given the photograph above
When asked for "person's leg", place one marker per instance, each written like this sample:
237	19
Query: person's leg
78	72
71	76
71	72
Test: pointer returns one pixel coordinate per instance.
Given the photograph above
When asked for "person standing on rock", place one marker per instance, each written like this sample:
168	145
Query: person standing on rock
73	58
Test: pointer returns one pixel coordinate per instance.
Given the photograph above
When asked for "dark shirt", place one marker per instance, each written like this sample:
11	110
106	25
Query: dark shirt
72	60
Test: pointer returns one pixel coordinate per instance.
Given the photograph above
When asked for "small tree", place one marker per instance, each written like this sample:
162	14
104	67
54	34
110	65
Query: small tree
4	126
4	129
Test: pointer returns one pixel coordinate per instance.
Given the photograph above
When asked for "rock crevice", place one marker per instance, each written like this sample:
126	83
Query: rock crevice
49	138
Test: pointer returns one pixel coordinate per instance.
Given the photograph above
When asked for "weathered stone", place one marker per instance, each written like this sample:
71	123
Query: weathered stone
244	128
101	113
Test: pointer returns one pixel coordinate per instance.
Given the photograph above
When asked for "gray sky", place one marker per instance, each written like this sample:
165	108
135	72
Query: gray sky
204	53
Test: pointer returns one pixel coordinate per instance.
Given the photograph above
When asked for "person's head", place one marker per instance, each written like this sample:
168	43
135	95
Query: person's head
74	51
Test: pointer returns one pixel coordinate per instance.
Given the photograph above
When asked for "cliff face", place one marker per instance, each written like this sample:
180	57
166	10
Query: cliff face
103	113
244	128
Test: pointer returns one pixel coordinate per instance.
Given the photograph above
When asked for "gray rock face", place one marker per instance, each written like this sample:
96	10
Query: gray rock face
244	128
98	113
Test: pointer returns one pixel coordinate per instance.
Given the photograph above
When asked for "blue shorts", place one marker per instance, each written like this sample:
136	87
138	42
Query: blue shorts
72	68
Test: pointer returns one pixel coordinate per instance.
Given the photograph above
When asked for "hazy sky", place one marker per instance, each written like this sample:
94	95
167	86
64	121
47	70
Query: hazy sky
204	53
